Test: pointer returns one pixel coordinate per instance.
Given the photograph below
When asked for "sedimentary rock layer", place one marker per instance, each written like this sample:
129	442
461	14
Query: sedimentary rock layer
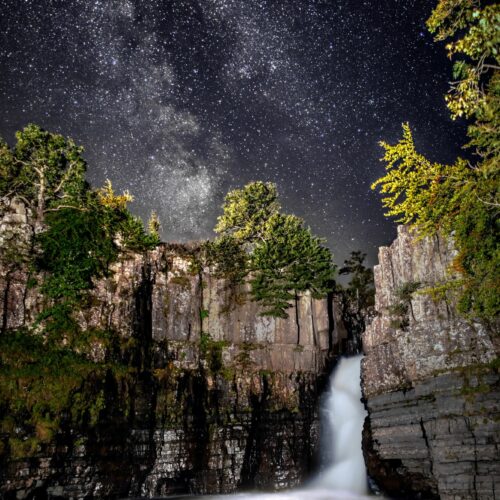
430	379
216	397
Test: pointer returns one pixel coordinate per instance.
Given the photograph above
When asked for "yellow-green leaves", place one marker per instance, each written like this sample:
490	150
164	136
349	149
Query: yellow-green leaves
282	256
109	199
461	199
246	210
410	182
477	36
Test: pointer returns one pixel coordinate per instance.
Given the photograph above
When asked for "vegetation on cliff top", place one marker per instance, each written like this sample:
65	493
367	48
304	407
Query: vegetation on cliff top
46	368
278	253
459	200
79	231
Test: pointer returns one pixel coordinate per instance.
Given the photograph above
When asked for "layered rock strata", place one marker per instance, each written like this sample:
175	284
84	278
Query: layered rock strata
216	398
430	380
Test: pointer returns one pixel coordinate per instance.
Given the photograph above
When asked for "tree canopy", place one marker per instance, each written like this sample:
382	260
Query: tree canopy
459	200
247	210
277	251
80	231
361	288
46	170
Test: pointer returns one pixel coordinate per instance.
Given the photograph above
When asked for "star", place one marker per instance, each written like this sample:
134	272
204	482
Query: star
180	101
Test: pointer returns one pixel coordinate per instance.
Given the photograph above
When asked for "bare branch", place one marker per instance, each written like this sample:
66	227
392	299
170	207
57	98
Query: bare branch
59	207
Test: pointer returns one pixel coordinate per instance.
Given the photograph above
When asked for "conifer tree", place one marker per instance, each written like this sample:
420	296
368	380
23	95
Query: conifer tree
281	254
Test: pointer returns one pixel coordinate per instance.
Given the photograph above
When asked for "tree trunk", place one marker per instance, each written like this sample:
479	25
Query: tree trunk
40	209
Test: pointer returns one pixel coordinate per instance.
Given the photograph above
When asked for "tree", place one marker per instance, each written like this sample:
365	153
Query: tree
358	298
7	168
45	169
227	258
122	225
280	253
154	225
246	211
459	200
361	288
289	260
79	231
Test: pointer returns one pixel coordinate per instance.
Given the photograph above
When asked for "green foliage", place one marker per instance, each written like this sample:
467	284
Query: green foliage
399	310
406	290
361	289
226	258
46	170
459	200
289	259
7	168
42	384
80	231
46	378
211	351
475	33
133	236
77	247
247	210
154	225
358	297
276	250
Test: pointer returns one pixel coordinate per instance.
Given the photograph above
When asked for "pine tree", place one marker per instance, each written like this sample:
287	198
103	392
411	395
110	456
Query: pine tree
280	253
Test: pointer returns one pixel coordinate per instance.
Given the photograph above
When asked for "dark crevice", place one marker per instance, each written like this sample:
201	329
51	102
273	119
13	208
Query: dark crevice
313	324
254	445
200	285
6	303
474	478
426	439
331	321
143	319
297	319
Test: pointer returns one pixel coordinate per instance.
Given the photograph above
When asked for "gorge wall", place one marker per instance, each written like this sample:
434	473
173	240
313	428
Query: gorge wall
430	381
213	398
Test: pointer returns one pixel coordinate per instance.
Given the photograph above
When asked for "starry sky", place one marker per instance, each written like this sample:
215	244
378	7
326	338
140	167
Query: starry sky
181	100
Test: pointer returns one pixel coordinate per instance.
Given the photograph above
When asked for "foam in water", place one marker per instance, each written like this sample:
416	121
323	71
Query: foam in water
344	415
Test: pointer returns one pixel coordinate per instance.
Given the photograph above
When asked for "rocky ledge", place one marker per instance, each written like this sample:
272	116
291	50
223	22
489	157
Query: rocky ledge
214	398
430	381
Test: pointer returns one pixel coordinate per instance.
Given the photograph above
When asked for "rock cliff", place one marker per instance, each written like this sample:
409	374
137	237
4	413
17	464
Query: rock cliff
430	381
215	396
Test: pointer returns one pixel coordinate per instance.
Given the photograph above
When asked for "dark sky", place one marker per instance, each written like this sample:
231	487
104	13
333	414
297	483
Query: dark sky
181	100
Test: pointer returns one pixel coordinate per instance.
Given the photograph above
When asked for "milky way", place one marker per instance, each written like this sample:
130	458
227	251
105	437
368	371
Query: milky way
180	100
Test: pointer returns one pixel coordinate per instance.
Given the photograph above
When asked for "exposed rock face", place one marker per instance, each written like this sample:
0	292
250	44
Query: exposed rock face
218	398
431	384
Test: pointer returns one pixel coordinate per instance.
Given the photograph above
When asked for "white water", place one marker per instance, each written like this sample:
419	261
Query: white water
343	415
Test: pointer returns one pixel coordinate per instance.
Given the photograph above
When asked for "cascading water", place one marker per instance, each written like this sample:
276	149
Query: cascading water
343	415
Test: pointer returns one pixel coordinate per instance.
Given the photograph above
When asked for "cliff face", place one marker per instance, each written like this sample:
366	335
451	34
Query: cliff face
216	397
430	380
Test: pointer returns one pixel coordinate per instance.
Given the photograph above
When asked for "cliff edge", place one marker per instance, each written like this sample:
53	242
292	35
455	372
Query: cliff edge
430	381
187	388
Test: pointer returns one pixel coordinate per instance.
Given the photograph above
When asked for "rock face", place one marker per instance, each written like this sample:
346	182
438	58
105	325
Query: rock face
430	381
216	398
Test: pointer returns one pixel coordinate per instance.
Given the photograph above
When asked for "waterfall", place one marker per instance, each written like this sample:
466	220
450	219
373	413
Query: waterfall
343	415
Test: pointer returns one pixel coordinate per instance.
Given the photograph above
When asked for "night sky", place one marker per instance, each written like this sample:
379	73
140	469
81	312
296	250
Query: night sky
179	101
